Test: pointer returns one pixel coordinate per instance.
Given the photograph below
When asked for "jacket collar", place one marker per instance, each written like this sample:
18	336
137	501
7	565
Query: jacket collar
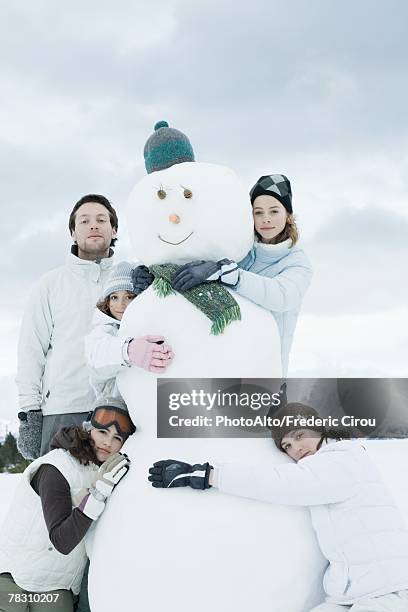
101	318
74	251
270	253
87	266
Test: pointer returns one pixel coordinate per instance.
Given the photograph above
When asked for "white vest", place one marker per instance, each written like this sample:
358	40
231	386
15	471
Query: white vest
26	550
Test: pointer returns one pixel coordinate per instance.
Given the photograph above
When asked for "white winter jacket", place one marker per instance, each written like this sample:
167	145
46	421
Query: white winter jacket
358	526
26	550
51	368
106	353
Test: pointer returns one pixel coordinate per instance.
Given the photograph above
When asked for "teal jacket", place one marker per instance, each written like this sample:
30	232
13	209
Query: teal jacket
276	277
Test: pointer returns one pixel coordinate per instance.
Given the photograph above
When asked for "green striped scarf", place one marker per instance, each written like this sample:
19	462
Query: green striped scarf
211	298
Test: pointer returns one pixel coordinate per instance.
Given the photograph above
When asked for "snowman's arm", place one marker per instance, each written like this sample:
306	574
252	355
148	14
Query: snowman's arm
282	293
313	481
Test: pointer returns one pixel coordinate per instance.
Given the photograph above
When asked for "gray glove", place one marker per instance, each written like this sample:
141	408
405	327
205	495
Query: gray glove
141	279
29	433
196	272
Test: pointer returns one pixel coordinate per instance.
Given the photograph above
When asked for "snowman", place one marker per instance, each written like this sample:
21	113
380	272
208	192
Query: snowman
211	551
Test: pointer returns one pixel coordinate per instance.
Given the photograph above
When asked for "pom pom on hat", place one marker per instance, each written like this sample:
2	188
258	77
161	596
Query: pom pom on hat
161	124
166	147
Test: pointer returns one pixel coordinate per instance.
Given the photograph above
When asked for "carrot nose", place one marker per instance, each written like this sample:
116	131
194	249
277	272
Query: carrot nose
174	219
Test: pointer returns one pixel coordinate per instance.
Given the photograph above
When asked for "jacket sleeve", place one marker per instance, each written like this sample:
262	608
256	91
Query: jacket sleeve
66	526
33	346
105	352
283	292
317	480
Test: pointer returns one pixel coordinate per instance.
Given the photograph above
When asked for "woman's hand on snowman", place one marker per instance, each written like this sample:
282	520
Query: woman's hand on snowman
173	473
141	279
196	272
110	473
107	477
150	353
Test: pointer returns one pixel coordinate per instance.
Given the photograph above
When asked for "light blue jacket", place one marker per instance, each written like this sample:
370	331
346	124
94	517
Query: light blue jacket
276	277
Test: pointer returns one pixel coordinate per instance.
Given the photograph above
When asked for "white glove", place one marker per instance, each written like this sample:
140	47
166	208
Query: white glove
106	479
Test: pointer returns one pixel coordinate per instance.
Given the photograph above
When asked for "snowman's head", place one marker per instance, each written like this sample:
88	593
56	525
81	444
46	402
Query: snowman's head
187	212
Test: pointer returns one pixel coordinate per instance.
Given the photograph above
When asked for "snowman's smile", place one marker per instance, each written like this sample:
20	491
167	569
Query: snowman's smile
175	243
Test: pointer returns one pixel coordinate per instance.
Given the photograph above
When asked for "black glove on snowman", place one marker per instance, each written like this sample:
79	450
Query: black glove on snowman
173	473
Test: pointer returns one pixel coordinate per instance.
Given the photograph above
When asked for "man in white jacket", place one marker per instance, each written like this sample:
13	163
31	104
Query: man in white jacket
52	376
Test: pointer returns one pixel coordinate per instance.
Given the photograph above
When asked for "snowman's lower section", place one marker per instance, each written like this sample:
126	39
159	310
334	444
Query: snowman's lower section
181	550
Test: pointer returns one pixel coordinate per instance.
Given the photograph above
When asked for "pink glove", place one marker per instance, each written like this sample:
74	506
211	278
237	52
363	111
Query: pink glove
146	353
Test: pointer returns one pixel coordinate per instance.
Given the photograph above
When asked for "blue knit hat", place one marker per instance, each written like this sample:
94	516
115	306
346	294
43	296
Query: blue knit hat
166	147
120	279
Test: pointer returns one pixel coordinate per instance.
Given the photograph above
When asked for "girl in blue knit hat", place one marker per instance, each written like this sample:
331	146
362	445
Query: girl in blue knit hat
276	273
105	350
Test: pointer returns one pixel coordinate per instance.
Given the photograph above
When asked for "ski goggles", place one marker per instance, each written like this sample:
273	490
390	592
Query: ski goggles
103	418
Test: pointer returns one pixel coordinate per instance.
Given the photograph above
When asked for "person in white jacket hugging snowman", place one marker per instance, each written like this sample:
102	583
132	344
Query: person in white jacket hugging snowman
359	528
106	352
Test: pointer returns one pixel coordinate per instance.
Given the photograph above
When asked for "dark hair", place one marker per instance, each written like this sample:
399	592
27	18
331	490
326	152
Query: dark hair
82	446
98	199
333	434
103	306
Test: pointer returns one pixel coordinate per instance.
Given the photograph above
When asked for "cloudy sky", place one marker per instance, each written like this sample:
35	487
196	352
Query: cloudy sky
314	89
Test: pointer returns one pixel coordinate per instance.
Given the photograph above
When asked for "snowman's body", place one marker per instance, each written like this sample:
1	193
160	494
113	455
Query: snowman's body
182	550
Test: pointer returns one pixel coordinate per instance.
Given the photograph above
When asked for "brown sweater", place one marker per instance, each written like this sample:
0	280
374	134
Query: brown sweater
66	525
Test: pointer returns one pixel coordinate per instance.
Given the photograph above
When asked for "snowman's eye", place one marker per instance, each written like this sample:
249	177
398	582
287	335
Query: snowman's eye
188	193
161	194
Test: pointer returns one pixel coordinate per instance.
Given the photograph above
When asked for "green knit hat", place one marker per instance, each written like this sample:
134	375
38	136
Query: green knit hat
166	147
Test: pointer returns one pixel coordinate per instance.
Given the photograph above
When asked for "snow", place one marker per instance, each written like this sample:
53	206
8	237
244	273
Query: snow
217	219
